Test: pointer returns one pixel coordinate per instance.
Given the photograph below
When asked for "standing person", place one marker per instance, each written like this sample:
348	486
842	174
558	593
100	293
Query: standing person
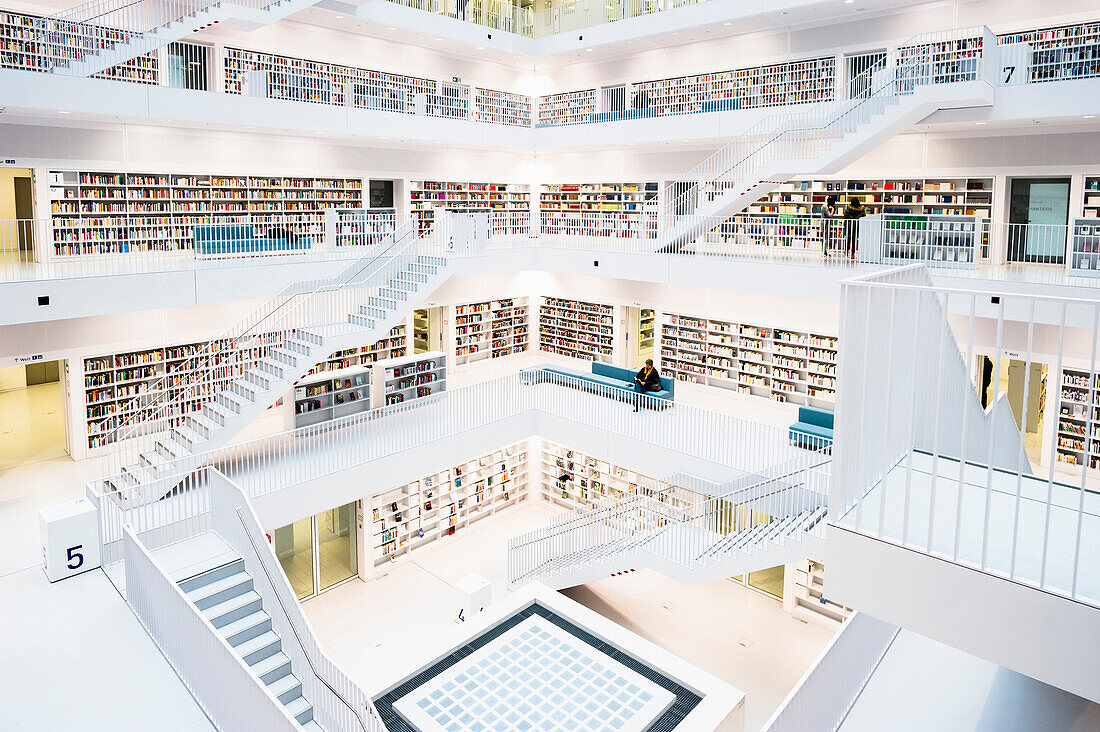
853	212
647	379
829	213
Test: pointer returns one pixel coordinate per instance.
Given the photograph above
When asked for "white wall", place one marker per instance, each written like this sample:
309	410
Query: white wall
13	377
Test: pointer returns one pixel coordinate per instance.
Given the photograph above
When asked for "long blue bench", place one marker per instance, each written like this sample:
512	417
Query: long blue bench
240	239
813	427
604	375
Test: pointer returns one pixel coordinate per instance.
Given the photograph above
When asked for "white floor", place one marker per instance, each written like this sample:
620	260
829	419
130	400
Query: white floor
380	629
970	695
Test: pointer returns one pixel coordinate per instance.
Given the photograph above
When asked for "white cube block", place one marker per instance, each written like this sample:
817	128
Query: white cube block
70	538
476	595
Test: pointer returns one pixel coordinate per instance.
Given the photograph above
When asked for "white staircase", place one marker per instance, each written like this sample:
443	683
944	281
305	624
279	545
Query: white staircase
775	520
927	74
225	596
223	388
95	36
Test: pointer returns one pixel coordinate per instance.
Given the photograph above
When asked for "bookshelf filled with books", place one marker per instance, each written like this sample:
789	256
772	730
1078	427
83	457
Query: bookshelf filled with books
780	364
577	329
394	345
599	209
329	395
510	199
491	329
1084	247
502	108
99	212
410	377
21	47
567	108
1063	52
1090	205
1079	419
417	514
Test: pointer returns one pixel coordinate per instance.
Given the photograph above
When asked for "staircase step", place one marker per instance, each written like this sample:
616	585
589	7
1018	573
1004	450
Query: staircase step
244	390
200	424
170	449
373	311
272	668
219	413
301	710
286	689
231	400
156	462
257	649
393	294
284	356
363	321
221	590
188	437
211	575
246	628
233	609
297	345
382	302
258	379
271	366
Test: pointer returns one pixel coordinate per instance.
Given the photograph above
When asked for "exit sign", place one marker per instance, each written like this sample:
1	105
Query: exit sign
456	79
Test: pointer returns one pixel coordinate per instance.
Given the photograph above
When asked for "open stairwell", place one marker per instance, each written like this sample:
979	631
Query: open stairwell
822	140
225	596
111	33
222	390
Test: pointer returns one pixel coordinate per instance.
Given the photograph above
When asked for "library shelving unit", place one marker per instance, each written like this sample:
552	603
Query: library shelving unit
574	479
781	364
511	325
410	377
577	329
804	595
98	212
1064	52
472	332
794	82
410	516
461	197
491	329
945	62
324	83
948	241
329	395
502	108
1084	247
1090	208
395	345
20	48
567	108
597	209
1078	419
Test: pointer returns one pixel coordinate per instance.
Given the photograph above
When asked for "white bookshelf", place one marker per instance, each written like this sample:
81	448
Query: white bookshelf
491	329
411	377
395	345
1078	434
418	514
597	209
329	395
577	329
502	108
105	212
784	365
426	197
1060	53
1090	206
1084	247
567	108
804	595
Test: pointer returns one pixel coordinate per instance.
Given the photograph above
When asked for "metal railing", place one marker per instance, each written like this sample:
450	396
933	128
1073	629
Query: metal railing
272	463
926	59
942	448
229	691
826	692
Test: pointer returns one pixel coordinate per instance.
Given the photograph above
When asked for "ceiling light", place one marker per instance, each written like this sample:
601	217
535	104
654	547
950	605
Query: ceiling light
339	17
727	24
979	123
849	2
1088	116
393	29
675	33
62	111
481	48
589	50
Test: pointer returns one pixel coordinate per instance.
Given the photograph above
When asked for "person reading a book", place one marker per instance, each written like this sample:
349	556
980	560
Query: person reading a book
647	379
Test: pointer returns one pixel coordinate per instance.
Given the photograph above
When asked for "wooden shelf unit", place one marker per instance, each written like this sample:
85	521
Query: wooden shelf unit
118	212
781	364
502	108
491	329
463	197
577	329
20	48
411	377
1078	432
410	516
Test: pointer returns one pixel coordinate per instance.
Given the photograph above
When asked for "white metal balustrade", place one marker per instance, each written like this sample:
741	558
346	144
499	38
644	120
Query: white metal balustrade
935	455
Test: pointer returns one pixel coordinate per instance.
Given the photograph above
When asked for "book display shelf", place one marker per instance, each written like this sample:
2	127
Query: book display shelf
97	212
1084	247
411	377
1079	419
567	108
1065	52
949	241
324	83
503	198
395	345
795	82
944	62
330	395
804	595
577	329
408	517
1090	207
20	48
784	365
490	329
502	108
598	209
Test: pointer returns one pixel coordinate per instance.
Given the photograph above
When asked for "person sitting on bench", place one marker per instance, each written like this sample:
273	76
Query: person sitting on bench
647	379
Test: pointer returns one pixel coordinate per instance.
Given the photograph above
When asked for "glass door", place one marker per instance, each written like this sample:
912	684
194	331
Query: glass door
294	548
336	546
1037	216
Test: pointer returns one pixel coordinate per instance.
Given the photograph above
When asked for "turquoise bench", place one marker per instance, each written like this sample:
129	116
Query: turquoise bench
813	428
602	375
240	239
